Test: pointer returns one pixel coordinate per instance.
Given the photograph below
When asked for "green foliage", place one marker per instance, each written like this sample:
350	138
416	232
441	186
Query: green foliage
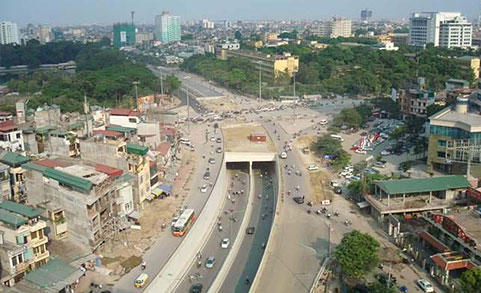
326	145
349	117
288	35
393	109
357	254
187	37
405	166
398	133
434	108
471	281
172	83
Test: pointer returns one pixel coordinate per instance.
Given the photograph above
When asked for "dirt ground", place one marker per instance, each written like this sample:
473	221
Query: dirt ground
220	104
236	139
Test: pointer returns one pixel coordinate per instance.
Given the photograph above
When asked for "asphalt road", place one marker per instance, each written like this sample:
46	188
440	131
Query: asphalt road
251	251
158	255
238	181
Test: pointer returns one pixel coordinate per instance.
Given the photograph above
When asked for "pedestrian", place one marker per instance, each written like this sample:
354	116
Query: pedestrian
248	281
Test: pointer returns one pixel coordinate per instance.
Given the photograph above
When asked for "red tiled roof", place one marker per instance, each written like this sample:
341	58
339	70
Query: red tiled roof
163	148
51	163
124	112
434	242
450	265
108	133
111	171
3	113
7	126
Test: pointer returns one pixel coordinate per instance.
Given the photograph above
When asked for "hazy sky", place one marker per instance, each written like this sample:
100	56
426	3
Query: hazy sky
64	12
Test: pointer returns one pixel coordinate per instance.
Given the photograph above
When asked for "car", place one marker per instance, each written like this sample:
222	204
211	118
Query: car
379	164
425	285
312	167
250	230
218	150
196	288
218	140
358	151
338	190
225	243
141	280
212	138
203	188
207	175
283	155
323	122
212	161
299	199
298	173
210	262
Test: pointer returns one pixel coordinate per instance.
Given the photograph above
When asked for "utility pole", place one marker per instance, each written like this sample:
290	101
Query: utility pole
136	92
161	84
294	88
188	111
260	82
329	240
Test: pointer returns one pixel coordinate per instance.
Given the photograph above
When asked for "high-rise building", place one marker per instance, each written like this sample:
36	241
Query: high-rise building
44	34
340	27
207	24
167	28
8	33
124	35
447	29
366	15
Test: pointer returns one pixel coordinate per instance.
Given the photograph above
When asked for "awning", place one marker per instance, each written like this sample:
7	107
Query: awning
134	215
166	188
157	191
363	204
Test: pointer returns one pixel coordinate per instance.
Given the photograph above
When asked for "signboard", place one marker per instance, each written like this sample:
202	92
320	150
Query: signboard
123	37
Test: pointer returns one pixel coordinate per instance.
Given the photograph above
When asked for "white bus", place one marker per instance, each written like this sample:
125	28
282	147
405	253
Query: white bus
184	223
338	137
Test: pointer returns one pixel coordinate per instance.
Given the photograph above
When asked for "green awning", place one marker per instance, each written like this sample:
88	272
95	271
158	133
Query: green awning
124	130
12	219
68	179
423	185
13	159
20	209
137	149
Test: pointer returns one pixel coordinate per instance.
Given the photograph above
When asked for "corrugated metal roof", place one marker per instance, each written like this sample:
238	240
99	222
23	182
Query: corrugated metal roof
68	179
13	159
53	272
111	171
125	130
34	167
137	149
423	184
12	219
20	209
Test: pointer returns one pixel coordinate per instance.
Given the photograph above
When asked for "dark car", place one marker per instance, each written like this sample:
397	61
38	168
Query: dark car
250	230
299	199
207	175
338	190
218	140
196	288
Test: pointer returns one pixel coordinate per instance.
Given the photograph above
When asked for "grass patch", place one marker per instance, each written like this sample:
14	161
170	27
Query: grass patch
131	262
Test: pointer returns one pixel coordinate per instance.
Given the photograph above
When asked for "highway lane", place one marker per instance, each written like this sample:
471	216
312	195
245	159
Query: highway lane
158	255
251	251
236	205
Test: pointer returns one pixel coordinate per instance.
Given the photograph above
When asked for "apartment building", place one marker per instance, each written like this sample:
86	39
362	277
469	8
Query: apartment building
415	101
80	201
340	27
9	33
23	244
167	28
124	117
11	137
271	65
470	62
16	174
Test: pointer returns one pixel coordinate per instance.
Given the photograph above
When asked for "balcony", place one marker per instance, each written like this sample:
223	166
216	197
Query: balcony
41	256
60	228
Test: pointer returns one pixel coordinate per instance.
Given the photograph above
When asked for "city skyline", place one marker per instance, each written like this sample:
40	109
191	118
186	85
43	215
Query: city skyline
104	12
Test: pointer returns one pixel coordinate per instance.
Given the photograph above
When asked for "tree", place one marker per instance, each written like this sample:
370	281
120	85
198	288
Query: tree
471	281
357	254
172	83
327	145
397	133
434	108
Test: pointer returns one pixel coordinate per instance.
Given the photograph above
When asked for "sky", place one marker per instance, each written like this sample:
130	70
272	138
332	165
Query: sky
77	12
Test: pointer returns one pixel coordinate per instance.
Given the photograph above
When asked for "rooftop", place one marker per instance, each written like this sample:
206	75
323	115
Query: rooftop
466	121
110	171
7	126
54	275
423	185
125	112
85	172
20	209
163	148
137	149
13	159
68	179
12	219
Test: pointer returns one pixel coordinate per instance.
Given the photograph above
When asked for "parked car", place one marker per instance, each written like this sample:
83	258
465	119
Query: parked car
218	150
196	288
210	262
283	155
299	199
379	164
313	167
141	280
207	175
250	230
203	188
212	161
425	285
225	243
218	140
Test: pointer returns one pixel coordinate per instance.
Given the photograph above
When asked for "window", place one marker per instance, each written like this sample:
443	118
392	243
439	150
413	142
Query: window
441	154
18	135
34	235
133	120
14	261
20	258
442	143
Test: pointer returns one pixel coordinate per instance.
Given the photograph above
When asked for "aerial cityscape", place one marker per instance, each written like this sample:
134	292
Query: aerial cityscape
240	147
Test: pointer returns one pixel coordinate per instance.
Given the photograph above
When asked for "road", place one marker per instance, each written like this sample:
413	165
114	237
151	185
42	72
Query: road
165	245
238	191
251	251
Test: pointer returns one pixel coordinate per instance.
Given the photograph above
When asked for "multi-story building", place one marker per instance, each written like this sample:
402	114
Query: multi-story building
167	28
11	137
450	128
8	33
415	101
340	27
227	45
447	29
124	117
470	62
5	188
366	14
16	174
124	35
271	65
82	197
128	157
23	243
44	34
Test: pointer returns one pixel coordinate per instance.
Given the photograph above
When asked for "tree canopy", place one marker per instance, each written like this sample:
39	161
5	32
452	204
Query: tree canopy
327	145
471	281
357	254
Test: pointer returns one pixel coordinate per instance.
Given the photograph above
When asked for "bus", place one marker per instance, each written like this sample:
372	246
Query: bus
184	223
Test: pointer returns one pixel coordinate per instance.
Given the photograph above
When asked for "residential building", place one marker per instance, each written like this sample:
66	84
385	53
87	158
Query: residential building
271	65
400	39
9	33
44	34
415	101
366	14
124	35
207	24
11	138
340	27
470	62
447	29
5	188
143	37
124	117
167	28
23	243
128	157
80	196
47	116
386	46
450	128
15	162
5	116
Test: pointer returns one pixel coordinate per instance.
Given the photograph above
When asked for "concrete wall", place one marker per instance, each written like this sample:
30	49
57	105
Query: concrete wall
47	117
58	146
249	157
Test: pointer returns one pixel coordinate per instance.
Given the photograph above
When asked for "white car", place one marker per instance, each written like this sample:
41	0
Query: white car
225	243
312	167
425	285
203	188
283	155
360	151
323	122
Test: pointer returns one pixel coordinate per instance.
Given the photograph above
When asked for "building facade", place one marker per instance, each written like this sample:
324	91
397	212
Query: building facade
340	27
447	29
9	33
124	35
167	28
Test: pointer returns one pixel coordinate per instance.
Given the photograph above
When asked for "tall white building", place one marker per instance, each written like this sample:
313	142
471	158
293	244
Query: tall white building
167	28
340	27
447	29
8	33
